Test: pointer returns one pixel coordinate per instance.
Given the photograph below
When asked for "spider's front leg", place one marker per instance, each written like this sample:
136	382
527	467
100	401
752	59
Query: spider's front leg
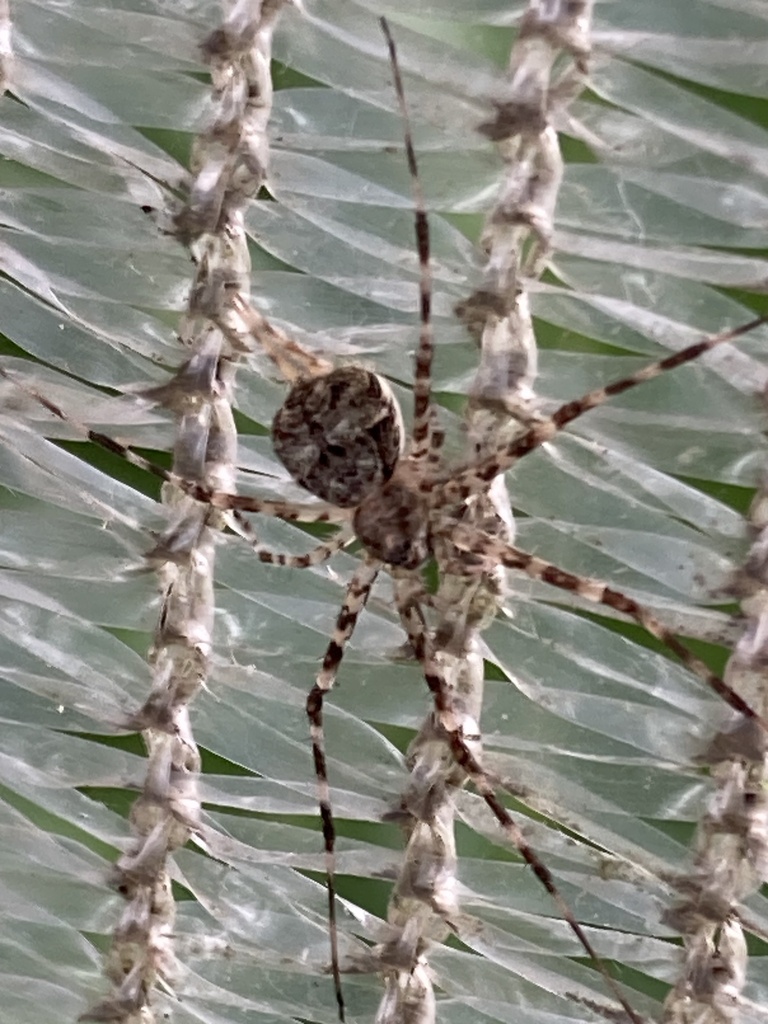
428	784
726	862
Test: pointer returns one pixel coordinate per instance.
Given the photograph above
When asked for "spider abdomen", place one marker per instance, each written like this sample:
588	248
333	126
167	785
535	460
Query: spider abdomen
392	523
339	435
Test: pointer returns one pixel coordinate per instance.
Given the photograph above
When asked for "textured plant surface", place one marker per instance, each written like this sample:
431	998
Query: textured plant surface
659	232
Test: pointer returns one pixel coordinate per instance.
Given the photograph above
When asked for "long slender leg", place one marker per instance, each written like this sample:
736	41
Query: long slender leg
422	384
236	503
316	556
293	360
463	481
355	599
599	592
452	720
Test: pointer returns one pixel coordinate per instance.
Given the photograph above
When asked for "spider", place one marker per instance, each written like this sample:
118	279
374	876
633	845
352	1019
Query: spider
340	434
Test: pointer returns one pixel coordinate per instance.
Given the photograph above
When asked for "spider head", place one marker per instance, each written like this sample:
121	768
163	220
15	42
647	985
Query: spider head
393	522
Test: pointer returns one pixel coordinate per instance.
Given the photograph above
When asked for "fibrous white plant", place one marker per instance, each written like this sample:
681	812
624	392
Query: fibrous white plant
229	165
730	846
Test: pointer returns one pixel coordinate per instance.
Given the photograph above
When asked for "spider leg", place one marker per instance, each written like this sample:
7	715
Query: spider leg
459	727
463	481
292	359
236	503
316	556
600	593
422	383
355	599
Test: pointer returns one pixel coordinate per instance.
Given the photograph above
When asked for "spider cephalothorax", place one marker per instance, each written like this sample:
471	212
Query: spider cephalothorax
392	522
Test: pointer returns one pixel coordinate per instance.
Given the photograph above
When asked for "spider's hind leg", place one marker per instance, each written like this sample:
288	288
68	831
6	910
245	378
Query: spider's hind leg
355	599
454	725
462	481
480	546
